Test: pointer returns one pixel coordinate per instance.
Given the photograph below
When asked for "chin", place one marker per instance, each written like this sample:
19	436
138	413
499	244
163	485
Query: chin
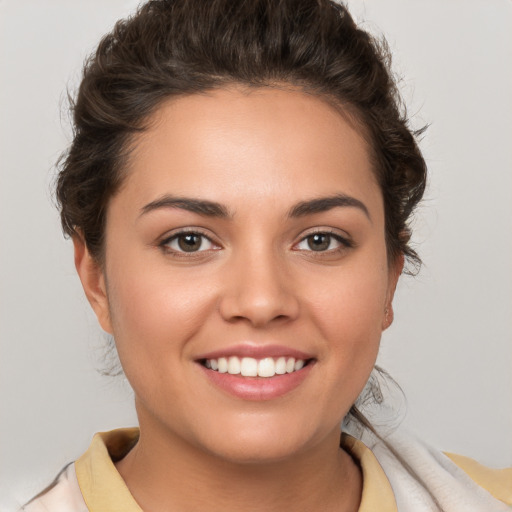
261	442
257	452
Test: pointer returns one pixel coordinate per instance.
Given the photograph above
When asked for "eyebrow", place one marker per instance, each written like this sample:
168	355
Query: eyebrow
214	209
199	206
323	204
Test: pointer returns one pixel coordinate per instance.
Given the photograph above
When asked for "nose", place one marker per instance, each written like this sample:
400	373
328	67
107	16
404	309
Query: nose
258	290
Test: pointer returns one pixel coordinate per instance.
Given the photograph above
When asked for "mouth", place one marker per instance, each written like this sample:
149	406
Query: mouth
265	367
257	372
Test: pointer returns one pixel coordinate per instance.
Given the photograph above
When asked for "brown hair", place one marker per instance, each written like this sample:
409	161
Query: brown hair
171	48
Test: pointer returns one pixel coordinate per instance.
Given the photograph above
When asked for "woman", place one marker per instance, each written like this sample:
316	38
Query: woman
238	192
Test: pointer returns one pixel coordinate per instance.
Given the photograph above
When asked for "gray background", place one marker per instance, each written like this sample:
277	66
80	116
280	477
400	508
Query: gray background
450	345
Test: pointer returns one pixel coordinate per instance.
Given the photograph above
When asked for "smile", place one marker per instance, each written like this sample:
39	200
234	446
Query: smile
251	367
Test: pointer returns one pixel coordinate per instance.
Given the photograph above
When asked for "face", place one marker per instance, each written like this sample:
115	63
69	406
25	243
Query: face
247	237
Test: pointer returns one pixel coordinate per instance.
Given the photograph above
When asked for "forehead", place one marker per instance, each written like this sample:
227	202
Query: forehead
262	144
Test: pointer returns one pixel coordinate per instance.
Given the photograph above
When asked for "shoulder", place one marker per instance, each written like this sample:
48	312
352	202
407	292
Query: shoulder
63	495
497	482
92	482
420	474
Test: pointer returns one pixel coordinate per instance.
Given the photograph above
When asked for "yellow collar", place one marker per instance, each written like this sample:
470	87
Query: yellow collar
103	488
101	484
377	492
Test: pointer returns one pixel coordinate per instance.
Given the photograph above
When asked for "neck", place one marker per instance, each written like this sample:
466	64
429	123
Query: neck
165	473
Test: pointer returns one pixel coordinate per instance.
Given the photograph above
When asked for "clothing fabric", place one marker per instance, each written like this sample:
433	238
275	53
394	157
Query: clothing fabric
452	483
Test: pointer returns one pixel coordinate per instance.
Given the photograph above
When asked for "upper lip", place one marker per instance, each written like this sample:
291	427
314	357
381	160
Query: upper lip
256	351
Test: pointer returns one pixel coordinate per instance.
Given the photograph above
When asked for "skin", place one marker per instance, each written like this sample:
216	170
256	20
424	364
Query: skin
258	153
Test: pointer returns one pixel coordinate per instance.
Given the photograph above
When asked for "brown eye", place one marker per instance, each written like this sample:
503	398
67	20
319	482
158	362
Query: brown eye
323	242
319	242
188	242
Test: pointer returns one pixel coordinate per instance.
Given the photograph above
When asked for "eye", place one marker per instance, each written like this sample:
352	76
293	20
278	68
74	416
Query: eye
322	242
188	242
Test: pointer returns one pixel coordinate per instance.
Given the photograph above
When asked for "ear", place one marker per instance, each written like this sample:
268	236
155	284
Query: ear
395	270
93	282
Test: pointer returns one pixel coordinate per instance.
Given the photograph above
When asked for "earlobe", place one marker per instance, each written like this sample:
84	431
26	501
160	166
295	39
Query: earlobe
93	282
388	317
394	274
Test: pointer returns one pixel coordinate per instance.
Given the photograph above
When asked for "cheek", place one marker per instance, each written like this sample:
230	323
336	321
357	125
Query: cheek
351	299
348	311
348	318
153	313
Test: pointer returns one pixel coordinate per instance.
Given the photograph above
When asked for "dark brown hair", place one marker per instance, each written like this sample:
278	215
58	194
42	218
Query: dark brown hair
171	48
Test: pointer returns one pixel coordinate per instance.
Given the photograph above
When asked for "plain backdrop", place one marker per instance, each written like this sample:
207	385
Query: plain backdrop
450	346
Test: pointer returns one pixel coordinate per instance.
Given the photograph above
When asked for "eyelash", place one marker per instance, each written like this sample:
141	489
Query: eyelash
165	243
344	242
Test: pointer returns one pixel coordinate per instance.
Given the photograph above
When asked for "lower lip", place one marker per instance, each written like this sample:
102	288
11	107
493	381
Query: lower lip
258	388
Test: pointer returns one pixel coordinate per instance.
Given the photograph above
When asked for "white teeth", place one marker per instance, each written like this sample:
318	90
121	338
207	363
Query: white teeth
266	367
222	364
250	367
281	366
234	365
298	364
290	365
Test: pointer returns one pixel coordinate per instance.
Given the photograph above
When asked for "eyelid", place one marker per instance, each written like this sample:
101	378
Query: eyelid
341	236
189	230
